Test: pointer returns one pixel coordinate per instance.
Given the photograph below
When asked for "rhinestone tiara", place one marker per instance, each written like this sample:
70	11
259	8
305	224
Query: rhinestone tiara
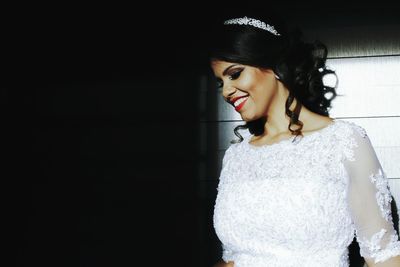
252	22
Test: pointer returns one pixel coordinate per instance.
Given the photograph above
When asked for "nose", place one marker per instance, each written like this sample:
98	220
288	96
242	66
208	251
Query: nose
228	91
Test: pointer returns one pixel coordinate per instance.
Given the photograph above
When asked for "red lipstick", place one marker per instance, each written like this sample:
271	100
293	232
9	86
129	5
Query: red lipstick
238	107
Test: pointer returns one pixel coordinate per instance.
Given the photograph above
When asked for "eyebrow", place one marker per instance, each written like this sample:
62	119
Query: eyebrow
227	69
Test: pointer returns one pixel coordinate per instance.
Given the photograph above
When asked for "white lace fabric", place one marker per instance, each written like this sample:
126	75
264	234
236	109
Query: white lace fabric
370	201
300	204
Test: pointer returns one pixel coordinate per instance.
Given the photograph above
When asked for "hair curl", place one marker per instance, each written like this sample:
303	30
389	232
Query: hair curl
300	66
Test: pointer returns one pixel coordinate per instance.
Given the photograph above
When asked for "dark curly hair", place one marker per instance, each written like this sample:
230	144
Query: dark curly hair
299	65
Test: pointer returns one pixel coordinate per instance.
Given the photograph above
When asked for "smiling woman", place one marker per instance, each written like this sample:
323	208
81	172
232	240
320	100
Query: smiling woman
257	88
282	62
285	203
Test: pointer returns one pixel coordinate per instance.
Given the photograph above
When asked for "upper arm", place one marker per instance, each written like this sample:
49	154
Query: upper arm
369	199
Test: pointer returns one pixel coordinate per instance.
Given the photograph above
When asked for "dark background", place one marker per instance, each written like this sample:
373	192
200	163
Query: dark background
101	120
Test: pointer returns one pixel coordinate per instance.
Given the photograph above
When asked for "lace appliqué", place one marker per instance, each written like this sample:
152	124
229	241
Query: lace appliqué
361	130
373	248
260	195
351	143
383	196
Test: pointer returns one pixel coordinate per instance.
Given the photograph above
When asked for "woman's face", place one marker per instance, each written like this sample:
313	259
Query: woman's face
249	90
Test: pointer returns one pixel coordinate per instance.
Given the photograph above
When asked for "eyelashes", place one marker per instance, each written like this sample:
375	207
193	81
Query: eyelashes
233	76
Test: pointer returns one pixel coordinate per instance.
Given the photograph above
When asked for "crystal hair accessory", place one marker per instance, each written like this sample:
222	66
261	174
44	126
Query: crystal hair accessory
252	22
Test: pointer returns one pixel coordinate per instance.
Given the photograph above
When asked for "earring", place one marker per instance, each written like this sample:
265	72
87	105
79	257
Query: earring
277	77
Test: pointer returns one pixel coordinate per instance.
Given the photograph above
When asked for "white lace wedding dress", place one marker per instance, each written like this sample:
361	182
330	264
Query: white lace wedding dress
300	204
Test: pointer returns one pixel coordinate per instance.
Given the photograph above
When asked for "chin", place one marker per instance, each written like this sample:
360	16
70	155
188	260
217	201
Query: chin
248	118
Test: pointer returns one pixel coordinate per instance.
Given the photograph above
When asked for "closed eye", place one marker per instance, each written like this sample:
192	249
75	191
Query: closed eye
235	74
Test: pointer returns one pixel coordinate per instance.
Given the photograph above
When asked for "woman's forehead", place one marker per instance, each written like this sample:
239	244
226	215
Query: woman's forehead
218	62
221	64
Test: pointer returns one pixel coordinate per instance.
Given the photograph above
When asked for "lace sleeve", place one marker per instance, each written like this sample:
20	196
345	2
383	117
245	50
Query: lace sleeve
370	201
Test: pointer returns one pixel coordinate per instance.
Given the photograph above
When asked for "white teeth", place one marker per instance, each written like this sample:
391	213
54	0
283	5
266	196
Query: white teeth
239	101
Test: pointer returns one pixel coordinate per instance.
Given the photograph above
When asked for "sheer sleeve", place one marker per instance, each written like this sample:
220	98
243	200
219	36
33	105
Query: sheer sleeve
370	201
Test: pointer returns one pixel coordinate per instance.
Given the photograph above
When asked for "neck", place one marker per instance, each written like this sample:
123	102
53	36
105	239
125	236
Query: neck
277	121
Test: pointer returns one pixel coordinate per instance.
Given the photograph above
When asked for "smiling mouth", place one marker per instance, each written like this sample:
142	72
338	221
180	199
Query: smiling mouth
238	103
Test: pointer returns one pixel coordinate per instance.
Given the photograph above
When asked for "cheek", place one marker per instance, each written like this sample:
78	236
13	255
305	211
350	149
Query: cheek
262	89
248	82
263	96
264	92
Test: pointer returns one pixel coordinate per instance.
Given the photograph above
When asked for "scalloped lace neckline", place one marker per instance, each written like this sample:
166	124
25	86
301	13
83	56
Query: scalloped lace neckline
287	140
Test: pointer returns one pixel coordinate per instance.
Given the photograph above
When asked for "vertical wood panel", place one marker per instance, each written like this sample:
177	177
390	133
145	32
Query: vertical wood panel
358	40
370	87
